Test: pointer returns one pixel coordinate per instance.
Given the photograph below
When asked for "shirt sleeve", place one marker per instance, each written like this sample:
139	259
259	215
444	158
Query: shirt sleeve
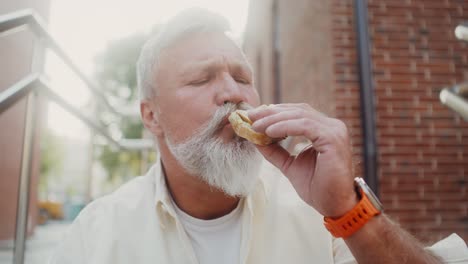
450	250
71	249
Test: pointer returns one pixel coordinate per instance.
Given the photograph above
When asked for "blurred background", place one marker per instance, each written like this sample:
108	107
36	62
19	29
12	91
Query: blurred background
394	71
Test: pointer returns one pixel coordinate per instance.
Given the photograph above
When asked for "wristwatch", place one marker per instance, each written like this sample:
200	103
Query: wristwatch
368	207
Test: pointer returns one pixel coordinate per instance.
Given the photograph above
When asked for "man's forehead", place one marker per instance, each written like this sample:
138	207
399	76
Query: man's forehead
202	46
215	62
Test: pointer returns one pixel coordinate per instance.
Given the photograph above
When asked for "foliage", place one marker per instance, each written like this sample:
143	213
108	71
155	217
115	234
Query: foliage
116	74
116	67
52	152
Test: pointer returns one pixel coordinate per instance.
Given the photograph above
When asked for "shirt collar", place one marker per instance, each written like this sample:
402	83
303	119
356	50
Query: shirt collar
162	198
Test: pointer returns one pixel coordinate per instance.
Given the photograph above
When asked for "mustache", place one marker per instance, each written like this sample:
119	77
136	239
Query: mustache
218	120
209	130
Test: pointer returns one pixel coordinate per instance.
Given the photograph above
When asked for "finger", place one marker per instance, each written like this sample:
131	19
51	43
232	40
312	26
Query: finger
261	124
295	105
276	155
297	127
260	112
302	106
264	111
311	112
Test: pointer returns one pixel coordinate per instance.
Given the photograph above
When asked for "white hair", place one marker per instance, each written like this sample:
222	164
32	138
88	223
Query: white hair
231	167
193	20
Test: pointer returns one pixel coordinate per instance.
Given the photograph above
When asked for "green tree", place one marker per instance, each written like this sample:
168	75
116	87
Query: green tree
116	75
116	68
51	159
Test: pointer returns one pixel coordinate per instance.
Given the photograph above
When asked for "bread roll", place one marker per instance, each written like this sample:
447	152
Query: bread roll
242	126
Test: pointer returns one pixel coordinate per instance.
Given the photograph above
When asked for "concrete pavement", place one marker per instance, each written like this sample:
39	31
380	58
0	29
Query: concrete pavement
39	246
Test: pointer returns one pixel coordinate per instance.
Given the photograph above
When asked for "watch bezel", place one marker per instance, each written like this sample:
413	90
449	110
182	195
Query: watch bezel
362	185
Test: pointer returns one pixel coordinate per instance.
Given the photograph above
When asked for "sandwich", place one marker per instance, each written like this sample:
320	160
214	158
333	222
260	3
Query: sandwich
242	126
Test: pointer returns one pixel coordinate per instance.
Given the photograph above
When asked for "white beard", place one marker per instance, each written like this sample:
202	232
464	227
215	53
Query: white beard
229	166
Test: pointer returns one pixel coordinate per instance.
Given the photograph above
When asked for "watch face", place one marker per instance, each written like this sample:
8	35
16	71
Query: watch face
361	184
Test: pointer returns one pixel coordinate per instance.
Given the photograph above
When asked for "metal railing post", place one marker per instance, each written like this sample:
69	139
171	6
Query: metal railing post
28	86
32	113
25	179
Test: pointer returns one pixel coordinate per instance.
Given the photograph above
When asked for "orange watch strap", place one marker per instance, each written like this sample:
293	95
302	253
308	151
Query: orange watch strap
353	220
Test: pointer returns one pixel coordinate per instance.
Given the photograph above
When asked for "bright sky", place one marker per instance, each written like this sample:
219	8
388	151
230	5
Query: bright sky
83	29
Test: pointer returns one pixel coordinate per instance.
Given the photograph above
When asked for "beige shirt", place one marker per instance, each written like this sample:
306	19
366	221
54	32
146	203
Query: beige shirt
137	224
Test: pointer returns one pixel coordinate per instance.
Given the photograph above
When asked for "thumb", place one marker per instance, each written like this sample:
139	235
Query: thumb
276	155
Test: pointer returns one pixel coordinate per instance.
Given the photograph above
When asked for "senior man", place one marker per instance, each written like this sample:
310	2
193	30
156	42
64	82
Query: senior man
204	201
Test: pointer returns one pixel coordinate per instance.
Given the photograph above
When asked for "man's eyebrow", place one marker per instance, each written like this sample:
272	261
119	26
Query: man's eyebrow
240	67
198	66
213	64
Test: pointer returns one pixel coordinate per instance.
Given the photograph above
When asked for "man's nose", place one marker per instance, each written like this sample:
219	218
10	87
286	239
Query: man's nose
229	90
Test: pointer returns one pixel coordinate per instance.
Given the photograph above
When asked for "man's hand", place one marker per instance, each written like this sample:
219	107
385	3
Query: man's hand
322	176
322	172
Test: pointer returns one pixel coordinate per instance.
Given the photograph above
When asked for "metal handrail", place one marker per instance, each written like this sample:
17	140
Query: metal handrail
461	32
29	18
17	91
453	97
456	97
36	81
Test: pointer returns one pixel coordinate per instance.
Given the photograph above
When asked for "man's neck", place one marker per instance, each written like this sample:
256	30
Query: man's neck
194	196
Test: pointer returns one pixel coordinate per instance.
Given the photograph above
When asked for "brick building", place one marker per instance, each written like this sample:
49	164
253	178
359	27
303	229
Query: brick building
306	51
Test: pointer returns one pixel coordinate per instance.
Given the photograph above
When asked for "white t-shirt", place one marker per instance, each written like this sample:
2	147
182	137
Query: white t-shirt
214	240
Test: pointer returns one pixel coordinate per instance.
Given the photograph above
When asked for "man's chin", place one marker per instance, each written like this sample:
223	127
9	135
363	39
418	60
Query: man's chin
241	189
222	159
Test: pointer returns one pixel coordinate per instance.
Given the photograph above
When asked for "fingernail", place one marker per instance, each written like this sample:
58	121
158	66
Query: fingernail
255	125
251	112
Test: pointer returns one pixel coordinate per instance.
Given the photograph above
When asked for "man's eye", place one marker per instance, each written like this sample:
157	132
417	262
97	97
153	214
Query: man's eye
199	81
242	80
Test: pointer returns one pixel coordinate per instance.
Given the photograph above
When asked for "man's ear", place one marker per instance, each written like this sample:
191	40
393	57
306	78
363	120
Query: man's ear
150	117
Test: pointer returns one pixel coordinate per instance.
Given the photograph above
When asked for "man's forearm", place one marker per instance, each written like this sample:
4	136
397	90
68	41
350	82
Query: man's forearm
382	241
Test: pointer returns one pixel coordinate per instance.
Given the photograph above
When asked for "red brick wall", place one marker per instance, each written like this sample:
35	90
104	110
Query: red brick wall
346	72
422	145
